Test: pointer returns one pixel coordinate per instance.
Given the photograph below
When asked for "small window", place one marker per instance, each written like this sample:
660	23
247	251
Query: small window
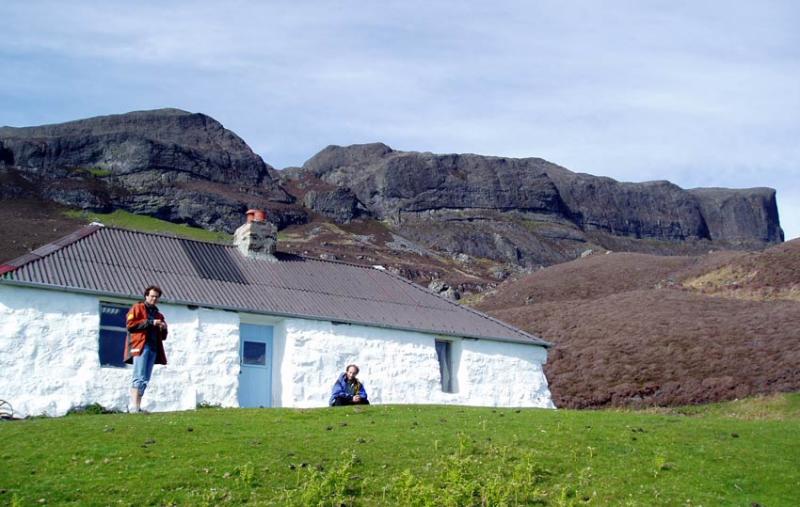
254	353
444	352
112	334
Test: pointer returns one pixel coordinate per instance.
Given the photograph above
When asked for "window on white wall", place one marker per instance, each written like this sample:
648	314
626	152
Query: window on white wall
444	352
112	334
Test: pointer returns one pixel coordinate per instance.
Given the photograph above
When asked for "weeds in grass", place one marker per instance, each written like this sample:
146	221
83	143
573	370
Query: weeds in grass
661	464
474	477
213	497
90	409
570	493
336	487
470	476
245	475
204	405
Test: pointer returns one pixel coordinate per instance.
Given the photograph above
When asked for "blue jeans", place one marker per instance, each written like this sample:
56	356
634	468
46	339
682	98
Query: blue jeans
143	368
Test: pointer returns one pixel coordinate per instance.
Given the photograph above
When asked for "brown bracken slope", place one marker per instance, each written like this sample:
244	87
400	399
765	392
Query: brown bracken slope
27	224
643	330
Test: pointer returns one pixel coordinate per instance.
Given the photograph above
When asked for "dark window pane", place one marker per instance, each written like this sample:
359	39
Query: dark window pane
112	348
111	315
443	355
254	353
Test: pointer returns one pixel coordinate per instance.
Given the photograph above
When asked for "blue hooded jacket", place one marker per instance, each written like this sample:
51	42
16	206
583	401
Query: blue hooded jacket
342	390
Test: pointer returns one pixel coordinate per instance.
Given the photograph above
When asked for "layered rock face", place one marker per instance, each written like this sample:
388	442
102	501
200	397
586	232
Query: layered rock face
186	167
341	205
167	163
740	215
530	211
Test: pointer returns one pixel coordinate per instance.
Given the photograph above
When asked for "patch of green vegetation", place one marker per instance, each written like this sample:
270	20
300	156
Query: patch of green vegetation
403	455
98	172
91	409
533	225
472	299
95	172
126	220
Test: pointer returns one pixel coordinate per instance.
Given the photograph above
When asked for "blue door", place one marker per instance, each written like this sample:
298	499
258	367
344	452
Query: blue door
255	363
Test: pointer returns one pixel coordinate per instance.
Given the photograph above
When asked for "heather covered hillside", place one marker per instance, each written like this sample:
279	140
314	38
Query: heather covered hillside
633	329
770	275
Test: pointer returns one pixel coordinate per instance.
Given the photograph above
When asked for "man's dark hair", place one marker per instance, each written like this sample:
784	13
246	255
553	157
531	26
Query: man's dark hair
155	288
352	366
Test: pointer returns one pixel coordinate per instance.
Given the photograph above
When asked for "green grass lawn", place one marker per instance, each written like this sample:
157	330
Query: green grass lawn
126	220
409	455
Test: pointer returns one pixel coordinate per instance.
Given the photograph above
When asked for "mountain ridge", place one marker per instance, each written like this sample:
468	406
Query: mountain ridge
505	199
168	163
527	212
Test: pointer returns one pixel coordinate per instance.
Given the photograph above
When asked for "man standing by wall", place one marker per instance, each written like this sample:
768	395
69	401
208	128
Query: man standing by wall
147	331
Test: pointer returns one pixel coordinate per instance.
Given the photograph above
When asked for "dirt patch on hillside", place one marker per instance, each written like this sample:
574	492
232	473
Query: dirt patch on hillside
768	275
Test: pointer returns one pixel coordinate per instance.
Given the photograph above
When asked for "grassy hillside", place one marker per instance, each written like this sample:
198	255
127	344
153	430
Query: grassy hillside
126	220
27	224
409	455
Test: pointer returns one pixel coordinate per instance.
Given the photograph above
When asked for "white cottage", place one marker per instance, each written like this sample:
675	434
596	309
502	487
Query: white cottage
249	327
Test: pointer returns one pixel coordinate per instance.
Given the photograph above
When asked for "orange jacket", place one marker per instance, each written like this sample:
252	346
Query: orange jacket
137	334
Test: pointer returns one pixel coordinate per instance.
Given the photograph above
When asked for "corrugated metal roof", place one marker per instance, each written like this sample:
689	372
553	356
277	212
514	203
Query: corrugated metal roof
118	262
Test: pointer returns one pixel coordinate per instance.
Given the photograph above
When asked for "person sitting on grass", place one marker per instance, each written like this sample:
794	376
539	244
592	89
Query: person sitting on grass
348	390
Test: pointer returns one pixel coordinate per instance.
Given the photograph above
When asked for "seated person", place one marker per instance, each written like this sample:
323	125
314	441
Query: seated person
348	390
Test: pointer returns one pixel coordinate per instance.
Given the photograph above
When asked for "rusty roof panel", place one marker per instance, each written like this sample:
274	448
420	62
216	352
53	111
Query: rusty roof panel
119	262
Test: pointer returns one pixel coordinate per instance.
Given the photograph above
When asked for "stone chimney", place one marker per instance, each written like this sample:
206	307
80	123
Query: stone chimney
257	237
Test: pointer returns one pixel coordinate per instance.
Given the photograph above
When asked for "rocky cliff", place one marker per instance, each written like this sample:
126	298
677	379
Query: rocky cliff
167	163
187	167
530	211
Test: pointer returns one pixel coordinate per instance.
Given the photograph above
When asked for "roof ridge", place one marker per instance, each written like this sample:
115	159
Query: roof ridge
536	339
336	261
228	245
165	235
49	248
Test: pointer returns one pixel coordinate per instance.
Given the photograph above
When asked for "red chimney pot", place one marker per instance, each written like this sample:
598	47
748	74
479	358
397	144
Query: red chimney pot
256	215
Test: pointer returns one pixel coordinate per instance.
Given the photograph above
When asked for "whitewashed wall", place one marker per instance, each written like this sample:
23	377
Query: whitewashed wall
49	361
49	356
401	367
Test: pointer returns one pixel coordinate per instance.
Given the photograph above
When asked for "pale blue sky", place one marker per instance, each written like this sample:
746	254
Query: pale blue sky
701	93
